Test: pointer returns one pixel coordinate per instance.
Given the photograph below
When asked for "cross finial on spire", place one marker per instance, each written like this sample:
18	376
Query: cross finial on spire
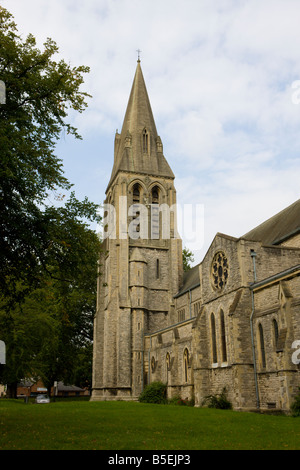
139	55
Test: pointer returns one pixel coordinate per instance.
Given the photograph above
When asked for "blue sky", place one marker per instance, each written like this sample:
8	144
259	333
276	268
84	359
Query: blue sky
220	78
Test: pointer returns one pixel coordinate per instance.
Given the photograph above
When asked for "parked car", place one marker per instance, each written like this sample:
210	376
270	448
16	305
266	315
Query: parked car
42	399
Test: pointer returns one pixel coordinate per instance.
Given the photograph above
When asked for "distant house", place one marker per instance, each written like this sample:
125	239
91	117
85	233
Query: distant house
29	388
70	391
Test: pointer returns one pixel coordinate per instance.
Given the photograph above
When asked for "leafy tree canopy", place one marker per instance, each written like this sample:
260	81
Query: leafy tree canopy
48	253
187	258
40	93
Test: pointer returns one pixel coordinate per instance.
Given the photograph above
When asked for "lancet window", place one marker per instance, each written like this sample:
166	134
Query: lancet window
136	194
262	346
213	338
136	198
275	331
155	213
223	337
145	141
186	364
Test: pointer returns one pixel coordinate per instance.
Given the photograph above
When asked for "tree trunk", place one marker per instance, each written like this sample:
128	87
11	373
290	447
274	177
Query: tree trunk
12	390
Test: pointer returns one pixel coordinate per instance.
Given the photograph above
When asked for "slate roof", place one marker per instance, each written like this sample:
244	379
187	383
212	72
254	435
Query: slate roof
278	228
191	279
273	231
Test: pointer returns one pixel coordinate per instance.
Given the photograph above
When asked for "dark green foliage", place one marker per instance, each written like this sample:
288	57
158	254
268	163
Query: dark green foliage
40	92
219	401
156	392
48	253
187	258
178	401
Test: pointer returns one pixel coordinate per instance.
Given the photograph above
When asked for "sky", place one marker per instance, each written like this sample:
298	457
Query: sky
223	78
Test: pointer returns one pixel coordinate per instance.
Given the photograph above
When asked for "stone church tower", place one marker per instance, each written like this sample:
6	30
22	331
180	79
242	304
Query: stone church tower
141	262
231	322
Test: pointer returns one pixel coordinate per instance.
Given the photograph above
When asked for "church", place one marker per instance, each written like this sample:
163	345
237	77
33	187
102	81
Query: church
232	322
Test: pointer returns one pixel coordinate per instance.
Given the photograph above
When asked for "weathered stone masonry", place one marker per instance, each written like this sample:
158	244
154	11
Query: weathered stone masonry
230	321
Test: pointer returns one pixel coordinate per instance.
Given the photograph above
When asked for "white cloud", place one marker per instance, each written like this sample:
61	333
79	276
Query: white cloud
219	76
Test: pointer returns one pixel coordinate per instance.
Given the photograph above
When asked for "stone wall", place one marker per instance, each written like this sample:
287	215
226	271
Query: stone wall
170	359
277	326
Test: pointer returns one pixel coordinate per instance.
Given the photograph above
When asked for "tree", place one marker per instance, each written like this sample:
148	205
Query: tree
48	253
50	333
39	94
25	328
187	258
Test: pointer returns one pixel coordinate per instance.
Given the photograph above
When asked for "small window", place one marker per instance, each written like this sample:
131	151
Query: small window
181	314
157	269
168	361
262	346
186	364
196	308
168	364
155	195
275	331
145	141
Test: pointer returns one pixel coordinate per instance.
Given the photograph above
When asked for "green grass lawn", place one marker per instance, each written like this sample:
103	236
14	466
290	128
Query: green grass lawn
73	425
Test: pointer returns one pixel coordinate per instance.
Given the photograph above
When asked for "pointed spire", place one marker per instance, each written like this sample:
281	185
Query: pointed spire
138	148
139	114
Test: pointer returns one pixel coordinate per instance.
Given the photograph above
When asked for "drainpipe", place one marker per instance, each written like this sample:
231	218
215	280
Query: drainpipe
253	255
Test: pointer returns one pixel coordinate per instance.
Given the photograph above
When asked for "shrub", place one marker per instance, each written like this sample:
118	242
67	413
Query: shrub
295	407
156	392
181	402
219	401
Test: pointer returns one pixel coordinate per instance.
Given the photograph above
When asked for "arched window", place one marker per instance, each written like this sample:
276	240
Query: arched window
155	213
213	338
136	199
136	194
223	337
275	331
145	141
186	364
155	195
262	346
168	363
